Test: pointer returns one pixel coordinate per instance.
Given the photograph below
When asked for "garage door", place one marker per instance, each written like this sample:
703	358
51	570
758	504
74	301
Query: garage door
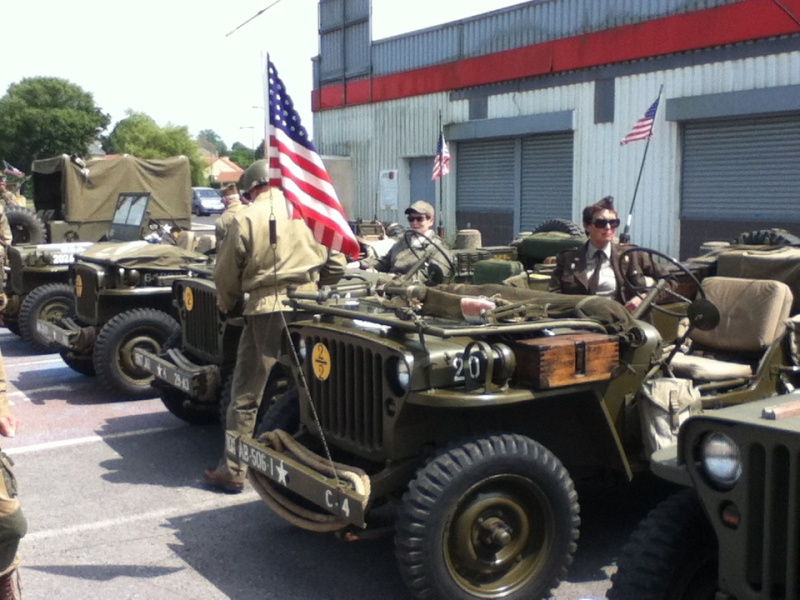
509	185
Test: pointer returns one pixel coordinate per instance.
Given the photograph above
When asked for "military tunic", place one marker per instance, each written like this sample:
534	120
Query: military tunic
408	251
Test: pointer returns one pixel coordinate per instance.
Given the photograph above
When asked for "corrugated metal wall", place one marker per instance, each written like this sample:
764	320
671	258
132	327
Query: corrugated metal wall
519	26
381	136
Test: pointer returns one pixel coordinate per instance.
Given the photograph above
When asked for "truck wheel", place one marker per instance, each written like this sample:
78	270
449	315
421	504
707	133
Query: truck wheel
80	363
49	302
113	352
560	226
494	517
673	555
767	237
26	226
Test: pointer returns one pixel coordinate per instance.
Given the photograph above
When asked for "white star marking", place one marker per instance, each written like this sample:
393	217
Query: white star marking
282	473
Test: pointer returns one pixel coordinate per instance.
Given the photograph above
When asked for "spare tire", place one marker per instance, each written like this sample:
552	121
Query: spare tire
768	237
559	225
26	226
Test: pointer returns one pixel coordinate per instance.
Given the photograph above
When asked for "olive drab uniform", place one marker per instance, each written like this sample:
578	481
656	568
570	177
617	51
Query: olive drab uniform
408	251
7	198
248	263
12	522
223	222
5	242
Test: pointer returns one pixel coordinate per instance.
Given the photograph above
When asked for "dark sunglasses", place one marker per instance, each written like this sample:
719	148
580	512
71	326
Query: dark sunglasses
603	223
419	219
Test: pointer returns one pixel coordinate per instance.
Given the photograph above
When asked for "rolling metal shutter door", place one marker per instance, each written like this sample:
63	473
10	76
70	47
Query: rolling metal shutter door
741	170
546	179
485	176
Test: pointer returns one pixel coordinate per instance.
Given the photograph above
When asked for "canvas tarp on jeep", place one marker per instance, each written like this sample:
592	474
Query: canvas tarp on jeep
77	199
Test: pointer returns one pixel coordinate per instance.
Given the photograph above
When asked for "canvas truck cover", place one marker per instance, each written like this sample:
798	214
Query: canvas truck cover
85	192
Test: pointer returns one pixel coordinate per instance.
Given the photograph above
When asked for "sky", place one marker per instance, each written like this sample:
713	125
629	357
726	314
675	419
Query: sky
186	63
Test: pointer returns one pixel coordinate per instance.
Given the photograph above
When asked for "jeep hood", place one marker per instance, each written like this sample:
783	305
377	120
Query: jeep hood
143	255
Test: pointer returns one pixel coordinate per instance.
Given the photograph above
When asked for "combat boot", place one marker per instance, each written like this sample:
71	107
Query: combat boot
9	586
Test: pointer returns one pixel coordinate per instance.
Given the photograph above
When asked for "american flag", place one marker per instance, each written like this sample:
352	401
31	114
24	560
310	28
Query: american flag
297	169
643	129
441	164
12	170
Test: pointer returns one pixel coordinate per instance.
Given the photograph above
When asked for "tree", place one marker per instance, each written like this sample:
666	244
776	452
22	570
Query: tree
241	155
42	117
139	135
212	138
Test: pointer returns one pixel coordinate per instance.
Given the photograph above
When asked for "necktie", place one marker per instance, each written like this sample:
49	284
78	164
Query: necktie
599	257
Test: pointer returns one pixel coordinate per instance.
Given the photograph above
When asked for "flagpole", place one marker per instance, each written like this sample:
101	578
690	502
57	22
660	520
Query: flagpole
440	229
625	237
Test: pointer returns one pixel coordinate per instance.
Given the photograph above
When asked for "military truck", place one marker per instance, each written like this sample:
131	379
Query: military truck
74	200
734	533
79	202
470	411
122	301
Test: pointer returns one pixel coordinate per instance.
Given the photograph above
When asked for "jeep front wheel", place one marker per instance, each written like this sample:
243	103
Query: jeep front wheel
673	555
113	353
48	302
496	517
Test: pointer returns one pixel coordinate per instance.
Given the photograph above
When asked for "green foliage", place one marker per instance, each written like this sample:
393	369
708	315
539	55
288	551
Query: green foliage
241	155
41	117
139	135
212	138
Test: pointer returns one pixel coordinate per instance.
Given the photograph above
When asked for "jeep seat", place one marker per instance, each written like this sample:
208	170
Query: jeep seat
753	318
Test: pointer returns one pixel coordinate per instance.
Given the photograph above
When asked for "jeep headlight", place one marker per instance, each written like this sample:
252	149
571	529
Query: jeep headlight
131	277
398	374
721	460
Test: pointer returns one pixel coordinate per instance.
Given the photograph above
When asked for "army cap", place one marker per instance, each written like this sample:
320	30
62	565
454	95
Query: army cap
421	207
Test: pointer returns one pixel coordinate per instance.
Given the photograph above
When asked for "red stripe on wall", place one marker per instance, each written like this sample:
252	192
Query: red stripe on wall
738	22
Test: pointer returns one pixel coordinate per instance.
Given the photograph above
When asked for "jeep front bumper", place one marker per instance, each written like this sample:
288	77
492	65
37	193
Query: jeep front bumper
174	369
68	336
288	472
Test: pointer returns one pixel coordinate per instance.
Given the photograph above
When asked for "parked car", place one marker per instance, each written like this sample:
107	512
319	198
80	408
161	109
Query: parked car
206	201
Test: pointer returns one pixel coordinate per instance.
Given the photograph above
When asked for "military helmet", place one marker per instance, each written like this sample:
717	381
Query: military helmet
256	174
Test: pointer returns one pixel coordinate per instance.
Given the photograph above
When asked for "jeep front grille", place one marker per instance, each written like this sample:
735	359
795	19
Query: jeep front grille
86	301
349	402
200	326
773	520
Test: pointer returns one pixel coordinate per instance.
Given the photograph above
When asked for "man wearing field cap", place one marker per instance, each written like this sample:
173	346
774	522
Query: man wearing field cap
420	254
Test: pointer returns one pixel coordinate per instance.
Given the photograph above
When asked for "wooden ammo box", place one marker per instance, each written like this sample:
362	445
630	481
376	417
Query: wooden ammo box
567	359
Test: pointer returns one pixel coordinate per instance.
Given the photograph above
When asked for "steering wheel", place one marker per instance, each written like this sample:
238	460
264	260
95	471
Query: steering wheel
408	236
658	274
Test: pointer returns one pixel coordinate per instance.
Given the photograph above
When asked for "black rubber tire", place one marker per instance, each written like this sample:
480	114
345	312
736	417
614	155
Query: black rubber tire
50	302
113	359
672	555
280	408
26	226
80	363
768	237
560	226
502	480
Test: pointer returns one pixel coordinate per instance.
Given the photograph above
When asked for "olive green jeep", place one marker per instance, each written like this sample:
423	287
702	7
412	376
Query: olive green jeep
734	534
470	411
123	300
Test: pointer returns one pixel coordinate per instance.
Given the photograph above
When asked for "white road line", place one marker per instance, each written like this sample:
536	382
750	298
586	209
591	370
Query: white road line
163	514
12	363
87	440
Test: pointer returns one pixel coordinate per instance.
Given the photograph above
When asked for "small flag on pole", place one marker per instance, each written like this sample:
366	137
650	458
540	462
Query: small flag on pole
12	170
298	170
441	163
643	129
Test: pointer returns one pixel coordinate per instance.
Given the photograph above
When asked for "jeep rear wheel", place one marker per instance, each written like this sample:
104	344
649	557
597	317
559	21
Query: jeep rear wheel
48	302
113	353
26	226
494	518
671	556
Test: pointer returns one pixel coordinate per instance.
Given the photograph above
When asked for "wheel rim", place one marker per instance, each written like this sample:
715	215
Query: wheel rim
499	535
54	310
128	368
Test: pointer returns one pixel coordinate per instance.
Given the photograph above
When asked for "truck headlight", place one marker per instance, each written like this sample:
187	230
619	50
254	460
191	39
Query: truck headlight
398	375
301	347
721	460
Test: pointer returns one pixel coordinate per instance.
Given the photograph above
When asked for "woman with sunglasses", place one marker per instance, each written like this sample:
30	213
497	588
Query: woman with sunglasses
417	243
596	267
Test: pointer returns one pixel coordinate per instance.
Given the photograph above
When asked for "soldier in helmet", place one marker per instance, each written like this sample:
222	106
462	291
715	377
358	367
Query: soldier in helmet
263	253
233	202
